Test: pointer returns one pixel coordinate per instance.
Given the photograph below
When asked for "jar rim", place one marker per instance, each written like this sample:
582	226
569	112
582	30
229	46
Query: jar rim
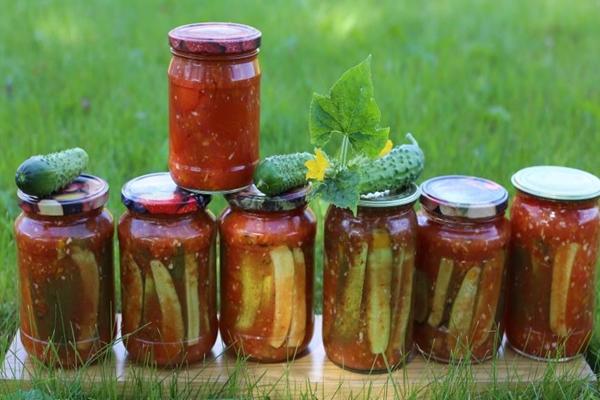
403	196
252	199
84	193
215	38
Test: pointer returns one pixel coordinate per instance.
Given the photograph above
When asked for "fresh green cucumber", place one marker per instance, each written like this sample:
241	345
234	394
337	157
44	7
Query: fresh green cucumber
278	174
401	166
44	174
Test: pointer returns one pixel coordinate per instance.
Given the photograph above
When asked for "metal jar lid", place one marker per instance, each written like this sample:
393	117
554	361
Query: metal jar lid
464	197
215	38
85	193
404	196
157	194
557	183
252	199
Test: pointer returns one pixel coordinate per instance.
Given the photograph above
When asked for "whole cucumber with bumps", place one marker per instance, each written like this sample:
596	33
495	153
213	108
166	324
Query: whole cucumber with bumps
401	166
45	174
280	173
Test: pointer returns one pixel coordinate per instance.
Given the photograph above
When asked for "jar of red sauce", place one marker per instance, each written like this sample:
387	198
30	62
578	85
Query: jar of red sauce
368	282
168	284
214	106
463	240
555	220
267	274
65	257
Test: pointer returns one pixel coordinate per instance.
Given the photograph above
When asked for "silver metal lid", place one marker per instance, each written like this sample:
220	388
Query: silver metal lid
408	195
557	183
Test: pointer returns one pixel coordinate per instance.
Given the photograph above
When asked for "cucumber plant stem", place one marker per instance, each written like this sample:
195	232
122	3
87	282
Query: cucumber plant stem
344	155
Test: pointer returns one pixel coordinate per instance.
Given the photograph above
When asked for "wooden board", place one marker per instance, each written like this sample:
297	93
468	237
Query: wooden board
313	370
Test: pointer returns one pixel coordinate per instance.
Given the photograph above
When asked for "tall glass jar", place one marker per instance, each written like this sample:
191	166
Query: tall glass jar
463	239
65	256
555	221
368	283
267	274
168	277
214	106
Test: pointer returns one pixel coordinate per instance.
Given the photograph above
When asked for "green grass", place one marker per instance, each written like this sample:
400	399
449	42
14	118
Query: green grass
487	87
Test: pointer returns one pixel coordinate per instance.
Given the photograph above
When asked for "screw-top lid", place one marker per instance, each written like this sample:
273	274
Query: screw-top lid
158	194
215	38
407	195
84	193
463	196
252	199
557	183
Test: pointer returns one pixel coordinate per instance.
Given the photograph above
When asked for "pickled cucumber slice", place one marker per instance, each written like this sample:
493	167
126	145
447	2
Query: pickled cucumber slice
172	329
402	314
461	315
132	294
251	287
561	280
488	298
90	295
298	323
379	281
149	294
440	292
283	277
347	323
27	312
421	296
191	299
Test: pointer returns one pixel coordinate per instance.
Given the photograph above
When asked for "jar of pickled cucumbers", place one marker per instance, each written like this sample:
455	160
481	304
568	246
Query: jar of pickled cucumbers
555	221
267	260
368	282
463	239
168	284
66	277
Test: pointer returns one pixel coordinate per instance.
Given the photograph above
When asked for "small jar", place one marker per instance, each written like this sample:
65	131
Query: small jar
65	256
267	274
368	282
168	284
555	221
214	106
463	240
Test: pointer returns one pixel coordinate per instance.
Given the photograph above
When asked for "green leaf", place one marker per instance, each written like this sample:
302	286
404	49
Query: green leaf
342	188
349	109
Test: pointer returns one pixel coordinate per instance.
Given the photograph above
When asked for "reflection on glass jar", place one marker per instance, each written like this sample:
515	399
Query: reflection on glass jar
65	255
555	223
463	239
168	283
368	283
214	106
267	274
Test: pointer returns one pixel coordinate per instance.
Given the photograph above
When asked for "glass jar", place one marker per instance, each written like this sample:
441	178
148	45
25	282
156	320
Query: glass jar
168	284
65	257
555	221
267	274
463	240
368	283
214	106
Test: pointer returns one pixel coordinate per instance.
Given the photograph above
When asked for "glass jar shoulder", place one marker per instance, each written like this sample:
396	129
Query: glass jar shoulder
198	73
267	228
84	226
553	220
466	239
167	228
397	221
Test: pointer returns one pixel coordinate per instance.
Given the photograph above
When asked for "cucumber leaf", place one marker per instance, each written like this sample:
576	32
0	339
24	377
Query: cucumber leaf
341	188
349	109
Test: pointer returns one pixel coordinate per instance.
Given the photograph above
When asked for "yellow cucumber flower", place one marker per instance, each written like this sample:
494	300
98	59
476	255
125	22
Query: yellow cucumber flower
386	148
316	168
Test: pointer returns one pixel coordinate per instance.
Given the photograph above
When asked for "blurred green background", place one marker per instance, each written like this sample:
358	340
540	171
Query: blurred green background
486	87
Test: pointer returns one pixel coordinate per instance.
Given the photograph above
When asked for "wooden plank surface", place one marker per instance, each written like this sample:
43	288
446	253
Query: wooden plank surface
314	369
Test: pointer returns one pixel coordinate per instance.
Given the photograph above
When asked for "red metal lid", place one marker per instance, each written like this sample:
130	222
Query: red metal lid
85	193
158	194
464	197
215	38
